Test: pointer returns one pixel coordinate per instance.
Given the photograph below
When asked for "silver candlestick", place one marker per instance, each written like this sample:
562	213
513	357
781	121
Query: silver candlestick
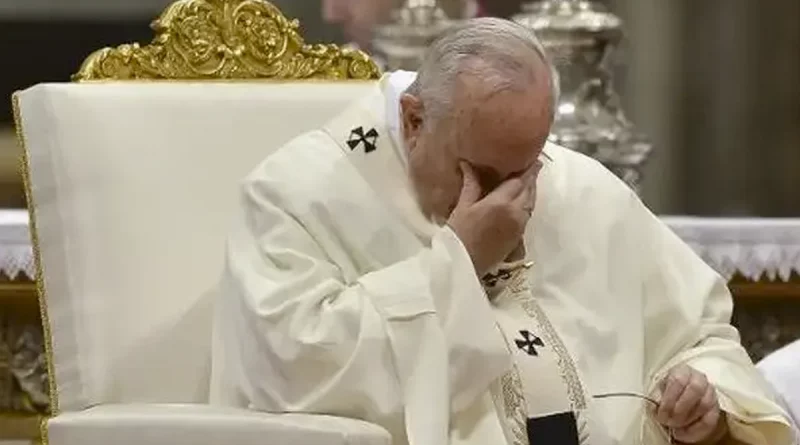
579	36
402	43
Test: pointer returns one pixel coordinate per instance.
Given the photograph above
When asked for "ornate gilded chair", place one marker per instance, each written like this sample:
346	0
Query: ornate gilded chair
131	174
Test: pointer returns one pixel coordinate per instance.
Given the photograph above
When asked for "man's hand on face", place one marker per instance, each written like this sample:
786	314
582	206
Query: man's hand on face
492	227
517	254
689	408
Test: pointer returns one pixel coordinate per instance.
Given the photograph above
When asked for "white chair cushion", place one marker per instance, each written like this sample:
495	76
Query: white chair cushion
133	185
206	425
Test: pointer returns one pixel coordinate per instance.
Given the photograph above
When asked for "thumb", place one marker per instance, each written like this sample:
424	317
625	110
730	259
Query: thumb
470	187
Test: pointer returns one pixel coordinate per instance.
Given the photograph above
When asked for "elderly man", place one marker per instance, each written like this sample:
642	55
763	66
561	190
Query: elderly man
429	263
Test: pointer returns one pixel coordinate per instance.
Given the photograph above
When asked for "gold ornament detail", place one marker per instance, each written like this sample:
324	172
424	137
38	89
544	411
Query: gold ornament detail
226	40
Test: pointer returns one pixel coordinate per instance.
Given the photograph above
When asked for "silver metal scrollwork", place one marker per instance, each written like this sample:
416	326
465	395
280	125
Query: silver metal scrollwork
580	36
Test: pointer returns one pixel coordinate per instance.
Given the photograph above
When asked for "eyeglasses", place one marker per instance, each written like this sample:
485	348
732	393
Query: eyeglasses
666	433
634	395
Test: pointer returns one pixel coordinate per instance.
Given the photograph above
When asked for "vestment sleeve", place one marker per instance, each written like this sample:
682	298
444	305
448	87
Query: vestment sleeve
416	337
687	312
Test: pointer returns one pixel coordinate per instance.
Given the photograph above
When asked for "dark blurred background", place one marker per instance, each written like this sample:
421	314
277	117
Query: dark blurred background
715	83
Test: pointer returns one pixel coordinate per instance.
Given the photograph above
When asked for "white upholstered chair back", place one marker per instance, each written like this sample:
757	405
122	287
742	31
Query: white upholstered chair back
132	186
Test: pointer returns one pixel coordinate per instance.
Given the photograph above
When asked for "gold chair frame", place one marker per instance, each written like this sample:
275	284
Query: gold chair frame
226	39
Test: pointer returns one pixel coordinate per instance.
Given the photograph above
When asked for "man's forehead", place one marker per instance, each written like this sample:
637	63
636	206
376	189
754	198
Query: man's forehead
511	118
506	134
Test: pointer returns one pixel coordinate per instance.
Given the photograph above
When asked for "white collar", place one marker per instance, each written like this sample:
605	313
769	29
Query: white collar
397	84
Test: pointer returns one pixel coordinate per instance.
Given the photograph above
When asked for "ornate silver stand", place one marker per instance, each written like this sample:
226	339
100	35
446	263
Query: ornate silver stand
23	371
579	37
401	44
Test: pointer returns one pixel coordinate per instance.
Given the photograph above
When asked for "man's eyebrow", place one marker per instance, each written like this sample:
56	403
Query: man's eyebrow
484	169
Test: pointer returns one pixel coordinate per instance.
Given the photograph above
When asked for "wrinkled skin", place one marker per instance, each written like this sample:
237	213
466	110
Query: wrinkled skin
482	160
690	409
499	135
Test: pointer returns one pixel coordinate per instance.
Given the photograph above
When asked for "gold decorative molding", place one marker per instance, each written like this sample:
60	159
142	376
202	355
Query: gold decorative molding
225	40
47	335
19	298
19	427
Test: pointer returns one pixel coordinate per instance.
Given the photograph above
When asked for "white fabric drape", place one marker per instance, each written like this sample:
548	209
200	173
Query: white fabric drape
754	247
16	255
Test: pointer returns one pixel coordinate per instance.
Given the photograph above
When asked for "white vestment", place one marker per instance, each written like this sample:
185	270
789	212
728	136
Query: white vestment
782	370
341	298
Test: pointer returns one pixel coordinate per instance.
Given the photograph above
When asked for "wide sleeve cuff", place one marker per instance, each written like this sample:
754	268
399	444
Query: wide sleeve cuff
753	417
477	353
477	347
755	430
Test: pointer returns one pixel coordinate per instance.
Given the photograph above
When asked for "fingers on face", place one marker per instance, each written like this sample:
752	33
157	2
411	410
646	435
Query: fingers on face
537	167
510	189
471	188
527	190
526	196
520	189
468	172
533	171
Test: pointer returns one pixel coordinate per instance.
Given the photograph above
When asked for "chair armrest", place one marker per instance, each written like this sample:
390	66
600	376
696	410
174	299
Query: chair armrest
205	424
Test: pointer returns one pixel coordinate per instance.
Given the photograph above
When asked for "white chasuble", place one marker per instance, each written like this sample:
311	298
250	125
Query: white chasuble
340	297
542	396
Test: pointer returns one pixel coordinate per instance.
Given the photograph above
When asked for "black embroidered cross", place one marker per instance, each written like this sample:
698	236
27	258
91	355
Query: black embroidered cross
491	280
529	342
368	139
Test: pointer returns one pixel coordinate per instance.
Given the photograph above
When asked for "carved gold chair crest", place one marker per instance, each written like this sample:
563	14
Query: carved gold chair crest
226	39
131	173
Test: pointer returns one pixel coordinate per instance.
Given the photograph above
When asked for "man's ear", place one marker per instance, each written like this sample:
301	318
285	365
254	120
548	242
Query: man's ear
411	112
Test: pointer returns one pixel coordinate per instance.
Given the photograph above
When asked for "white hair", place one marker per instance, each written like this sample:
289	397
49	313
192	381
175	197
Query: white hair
505	52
